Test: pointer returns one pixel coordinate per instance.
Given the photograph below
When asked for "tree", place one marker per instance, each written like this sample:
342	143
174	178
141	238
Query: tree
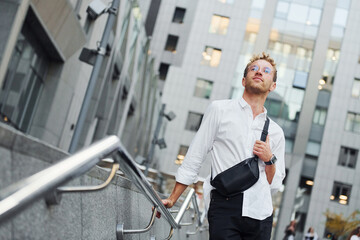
339	225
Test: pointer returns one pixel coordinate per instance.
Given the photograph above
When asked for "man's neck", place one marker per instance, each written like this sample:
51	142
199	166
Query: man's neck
256	102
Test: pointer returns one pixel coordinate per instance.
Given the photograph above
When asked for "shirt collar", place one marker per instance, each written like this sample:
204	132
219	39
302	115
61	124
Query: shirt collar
243	104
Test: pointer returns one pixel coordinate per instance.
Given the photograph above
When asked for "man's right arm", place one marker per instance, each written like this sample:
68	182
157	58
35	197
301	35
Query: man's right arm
200	146
174	196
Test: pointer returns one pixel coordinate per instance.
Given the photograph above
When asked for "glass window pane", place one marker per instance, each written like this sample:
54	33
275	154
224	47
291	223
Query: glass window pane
181	154
260	4
289	145
171	43
298	13
352	158
179	15
163	70
313	148
314	17
357	123
300	79
349	121
219	24
356	88
342	156
193	121
341	193
344	4
211	56
340	17
203	88
23	80
282	9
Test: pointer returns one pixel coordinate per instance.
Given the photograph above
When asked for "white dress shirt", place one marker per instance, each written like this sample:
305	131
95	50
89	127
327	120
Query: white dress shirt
228	133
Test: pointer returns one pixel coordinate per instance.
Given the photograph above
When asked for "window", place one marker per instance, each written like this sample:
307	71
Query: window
211	56
348	157
24	79
273	107
352	122
306	185
179	15
227	1
289	144
300	223
313	148
356	88
203	88
300	80
341	193
163	70
319	116
219	24
171	43
193	121
181	154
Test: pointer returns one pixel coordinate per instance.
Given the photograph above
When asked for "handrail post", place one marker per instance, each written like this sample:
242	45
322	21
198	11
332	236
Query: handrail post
183	207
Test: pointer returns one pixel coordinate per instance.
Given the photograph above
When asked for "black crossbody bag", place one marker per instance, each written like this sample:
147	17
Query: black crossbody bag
242	176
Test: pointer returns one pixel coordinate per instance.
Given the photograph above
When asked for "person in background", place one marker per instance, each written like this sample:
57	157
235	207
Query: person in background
290	231
311	234
355	234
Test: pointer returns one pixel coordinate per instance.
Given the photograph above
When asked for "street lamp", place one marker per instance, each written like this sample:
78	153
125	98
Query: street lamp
161	142
95	58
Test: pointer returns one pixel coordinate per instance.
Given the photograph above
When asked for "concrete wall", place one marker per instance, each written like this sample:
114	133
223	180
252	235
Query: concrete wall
92	215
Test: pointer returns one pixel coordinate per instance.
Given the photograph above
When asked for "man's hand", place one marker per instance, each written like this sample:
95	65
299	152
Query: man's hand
262	150
168	203
174	196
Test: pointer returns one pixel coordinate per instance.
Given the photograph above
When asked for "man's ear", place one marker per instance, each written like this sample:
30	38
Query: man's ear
243	82
272	87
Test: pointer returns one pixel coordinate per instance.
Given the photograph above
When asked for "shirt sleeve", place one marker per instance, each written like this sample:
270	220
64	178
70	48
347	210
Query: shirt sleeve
279	152
199	147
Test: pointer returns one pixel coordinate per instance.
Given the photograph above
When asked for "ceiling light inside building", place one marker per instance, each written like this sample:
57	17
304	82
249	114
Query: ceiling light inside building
322	81
309	182
343	197
344	202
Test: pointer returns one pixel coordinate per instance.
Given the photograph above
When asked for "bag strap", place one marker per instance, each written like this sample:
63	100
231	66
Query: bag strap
265	130
264	134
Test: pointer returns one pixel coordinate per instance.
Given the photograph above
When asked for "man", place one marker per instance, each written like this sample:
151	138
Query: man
229	133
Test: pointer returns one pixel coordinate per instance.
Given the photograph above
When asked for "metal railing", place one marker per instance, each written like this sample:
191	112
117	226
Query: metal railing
47	184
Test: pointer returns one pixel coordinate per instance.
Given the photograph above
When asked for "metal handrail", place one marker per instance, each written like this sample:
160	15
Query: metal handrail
19	195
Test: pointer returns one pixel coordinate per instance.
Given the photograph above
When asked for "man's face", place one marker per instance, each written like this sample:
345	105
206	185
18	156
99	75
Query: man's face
259	79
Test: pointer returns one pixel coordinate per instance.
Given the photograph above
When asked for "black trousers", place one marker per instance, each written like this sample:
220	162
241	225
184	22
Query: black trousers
227	223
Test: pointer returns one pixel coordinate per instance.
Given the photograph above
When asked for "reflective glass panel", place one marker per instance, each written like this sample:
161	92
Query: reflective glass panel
203	88
298	13
300	79
340	17
356	88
